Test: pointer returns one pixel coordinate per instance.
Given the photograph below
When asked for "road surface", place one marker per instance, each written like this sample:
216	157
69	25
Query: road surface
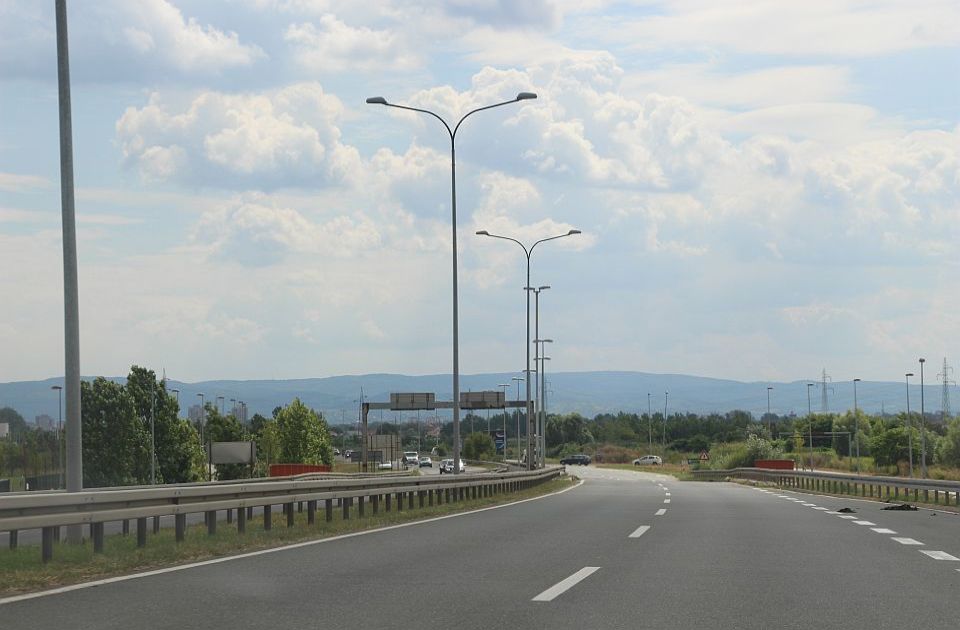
624	550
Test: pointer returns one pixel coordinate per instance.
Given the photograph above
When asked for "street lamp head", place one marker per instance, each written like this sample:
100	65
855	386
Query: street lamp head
522	96
909	374
377	100
483	233
56	387
922	360
546	286
769	388
572	232
856	380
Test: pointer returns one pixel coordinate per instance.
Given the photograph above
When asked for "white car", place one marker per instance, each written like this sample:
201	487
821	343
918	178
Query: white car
411	458
426	462
648	460
446	466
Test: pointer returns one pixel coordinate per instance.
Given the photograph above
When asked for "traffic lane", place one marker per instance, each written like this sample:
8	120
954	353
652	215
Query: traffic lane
938	530
734	557
483	566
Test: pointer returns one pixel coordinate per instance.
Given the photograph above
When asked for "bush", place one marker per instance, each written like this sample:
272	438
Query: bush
747	454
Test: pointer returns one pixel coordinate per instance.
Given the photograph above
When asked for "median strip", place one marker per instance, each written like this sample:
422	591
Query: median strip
565	585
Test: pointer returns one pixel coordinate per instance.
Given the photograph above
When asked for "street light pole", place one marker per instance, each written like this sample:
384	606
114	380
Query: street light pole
649	425
909	425
528	252
379	100
177	394
810	424
769	418
541	436
518	381
666	395
71	291
220	399
59	434
923	427
856	422
505	386
536	336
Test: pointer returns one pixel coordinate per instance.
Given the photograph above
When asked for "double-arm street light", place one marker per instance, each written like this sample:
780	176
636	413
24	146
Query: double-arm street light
810	423
528	251
379	100
856	422
518	380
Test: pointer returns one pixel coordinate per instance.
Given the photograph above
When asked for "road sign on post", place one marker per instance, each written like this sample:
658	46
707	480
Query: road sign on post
482	400
412	401
704	456
499	440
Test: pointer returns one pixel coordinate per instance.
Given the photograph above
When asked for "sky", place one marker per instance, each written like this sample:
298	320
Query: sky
765	189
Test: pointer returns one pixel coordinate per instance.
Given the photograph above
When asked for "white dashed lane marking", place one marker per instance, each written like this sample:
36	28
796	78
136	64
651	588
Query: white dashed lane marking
565	585
864	523
939	555
640	531
661	512
883	530
846	516
666	500
907	541
822	509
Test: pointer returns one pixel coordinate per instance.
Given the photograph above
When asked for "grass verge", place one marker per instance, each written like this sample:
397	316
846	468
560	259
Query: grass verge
673	470
21	570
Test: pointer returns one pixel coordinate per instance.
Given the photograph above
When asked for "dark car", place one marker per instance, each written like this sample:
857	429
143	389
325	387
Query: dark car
580	459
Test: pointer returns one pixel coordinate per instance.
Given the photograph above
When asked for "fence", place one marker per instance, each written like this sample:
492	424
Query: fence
841	483
50	511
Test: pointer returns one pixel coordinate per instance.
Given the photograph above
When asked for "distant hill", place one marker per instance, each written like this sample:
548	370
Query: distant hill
589	393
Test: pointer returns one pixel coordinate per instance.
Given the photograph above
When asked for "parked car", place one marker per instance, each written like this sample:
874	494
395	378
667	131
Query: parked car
446	466
336	451
648	460
579	459
411	458
385	465
347	453
426	462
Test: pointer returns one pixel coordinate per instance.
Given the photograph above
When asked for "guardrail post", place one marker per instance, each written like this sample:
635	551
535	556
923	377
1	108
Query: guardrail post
311	512
926	495
430	497
230	516
376	504
936	497
211	522
46	544
399	502
126	527
289	507
267	517
473	492
249	513
156	524
345	503
179	524
420	497
142	532
916	494
96	533
328	508
12	541
896	492
241	521
300	507
410	499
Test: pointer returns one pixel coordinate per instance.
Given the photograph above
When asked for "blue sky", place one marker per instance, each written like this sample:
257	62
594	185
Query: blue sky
765	188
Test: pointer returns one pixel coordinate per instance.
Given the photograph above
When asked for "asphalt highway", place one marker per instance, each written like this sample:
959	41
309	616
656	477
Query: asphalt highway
624	550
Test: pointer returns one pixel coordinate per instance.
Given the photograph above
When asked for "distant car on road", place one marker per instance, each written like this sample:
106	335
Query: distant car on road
446	466
579	459
648	460
347	453
411	458
336	451
385	465
426	462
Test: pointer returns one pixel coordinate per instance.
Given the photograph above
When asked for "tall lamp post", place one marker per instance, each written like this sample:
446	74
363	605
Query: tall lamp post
666	395
176	392
541	437
649	424
203	415
909	425
536	348
505	386
379	100
59	389
518	380
923	427
220	400
810	424
528	251
856	422
769	417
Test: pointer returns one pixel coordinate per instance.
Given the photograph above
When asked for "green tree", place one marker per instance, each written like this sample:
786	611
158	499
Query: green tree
889	444
116	448
479	446
18	426
225	429
948	447
303	435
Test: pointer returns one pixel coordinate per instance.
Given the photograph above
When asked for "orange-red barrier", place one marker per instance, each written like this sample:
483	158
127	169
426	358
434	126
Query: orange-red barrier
286	470
774	464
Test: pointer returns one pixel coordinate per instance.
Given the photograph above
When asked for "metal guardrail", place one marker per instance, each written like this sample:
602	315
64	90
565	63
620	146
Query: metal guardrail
50	511
843	483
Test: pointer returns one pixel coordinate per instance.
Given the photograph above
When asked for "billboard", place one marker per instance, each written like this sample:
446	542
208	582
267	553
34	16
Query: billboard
232	452
499	440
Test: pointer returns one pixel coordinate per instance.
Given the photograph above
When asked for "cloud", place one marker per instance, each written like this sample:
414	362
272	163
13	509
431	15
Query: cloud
331	46
12	182
120	40
288	137
255	232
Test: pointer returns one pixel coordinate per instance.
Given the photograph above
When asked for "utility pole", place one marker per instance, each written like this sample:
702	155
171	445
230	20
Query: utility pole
649	425
769	418
923	427
856	422
666	396
944	376
909	427
824	379
810	423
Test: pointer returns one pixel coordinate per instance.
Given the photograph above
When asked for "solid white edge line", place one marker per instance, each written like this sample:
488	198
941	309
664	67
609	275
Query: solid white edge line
939	555
640	531
565	585
182	567
661	512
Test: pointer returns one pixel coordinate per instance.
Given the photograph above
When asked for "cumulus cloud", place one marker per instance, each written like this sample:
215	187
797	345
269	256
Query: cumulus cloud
331	46
282	138
255	232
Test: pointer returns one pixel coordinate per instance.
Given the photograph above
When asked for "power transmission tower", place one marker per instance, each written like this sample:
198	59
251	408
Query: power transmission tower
945	400
825	378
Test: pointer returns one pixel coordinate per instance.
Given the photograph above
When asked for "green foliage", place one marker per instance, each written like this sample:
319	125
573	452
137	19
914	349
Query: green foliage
304	437
948	447
479	446
746	455
225	429
571	427
18	426
116	445
889	443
